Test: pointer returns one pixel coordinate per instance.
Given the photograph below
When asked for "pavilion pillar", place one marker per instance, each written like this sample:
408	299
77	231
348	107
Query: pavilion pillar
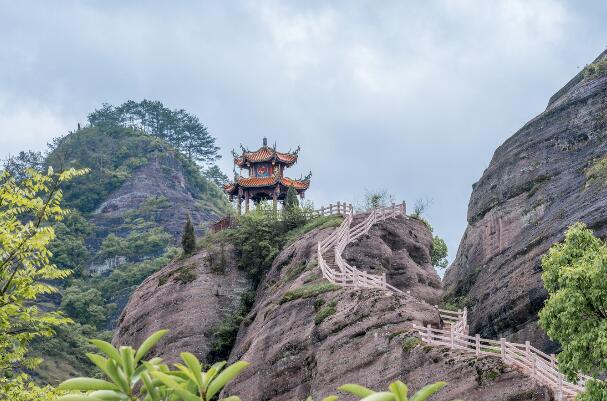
246	202
239	204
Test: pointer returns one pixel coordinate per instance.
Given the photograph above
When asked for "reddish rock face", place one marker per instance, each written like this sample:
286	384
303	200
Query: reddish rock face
190	298
539	182
309	345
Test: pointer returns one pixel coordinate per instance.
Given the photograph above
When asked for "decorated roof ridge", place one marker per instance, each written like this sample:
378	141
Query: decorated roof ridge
256	182
265	154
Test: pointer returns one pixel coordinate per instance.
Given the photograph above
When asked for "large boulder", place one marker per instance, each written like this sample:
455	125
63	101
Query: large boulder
547	176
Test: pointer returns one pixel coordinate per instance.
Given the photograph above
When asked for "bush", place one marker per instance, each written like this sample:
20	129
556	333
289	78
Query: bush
188	239
325	311
308	291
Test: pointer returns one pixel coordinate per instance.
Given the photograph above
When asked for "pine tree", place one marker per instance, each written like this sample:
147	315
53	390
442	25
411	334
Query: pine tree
188	239
292	215
291	201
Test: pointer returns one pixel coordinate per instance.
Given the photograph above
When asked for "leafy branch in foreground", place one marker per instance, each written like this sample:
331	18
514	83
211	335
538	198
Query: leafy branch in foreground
398	391
130	378
29	207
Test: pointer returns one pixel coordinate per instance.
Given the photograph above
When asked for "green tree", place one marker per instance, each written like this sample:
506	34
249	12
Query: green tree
292	215
575	313
182	130
439	252
188	239
376	199
215	174
28	210
86	306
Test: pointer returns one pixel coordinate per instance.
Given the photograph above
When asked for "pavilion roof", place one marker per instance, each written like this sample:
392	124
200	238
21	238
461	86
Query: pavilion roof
265	154
259	182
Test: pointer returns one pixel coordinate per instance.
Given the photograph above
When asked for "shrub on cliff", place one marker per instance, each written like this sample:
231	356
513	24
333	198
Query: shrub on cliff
188	239
575	313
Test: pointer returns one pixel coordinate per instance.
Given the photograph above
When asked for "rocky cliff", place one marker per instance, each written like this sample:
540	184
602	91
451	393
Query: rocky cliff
548	175
190	297
305	336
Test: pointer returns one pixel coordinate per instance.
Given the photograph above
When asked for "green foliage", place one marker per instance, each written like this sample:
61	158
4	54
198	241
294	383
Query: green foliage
28	209
575	314
185	275
224	335
188	239
308	291
325	311
377	199
597	69
397	391
215	174
597	172
292	215
258	240
318	222
411	342
68	248
182	130
87	307
130	377
439	252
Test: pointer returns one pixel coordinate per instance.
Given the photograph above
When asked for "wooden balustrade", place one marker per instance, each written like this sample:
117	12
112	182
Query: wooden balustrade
531	361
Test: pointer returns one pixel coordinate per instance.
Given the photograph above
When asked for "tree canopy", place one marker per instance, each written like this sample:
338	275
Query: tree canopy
181	129
575	313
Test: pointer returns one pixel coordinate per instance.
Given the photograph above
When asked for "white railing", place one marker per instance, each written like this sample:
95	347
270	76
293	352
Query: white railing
530	360
333	209
344	274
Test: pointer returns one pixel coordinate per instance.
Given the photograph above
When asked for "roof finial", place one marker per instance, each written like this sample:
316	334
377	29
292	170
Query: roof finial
265	142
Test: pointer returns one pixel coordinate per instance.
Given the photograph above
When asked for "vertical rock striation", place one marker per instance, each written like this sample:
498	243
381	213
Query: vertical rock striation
547	176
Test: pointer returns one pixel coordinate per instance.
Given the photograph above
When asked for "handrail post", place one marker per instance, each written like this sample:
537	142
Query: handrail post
553	360
477	344
503	348
452	338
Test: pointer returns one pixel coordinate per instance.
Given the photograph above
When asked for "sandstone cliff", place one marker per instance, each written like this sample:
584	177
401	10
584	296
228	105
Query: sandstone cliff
548	175
190	297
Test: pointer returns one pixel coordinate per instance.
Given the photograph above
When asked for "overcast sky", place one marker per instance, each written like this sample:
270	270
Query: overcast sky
408	96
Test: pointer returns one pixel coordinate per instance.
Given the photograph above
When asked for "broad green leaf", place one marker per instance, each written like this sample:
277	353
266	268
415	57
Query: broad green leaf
330	398
231	398
128	361
194	365
400	390
107	349
99	361
173	385
109	395
225	377
78	397
380	396
86	384
427	391
356	389
149	343
117	375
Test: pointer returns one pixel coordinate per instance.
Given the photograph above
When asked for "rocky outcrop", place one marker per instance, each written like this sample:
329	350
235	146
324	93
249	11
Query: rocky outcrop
157	192
305	336
549	175
191	297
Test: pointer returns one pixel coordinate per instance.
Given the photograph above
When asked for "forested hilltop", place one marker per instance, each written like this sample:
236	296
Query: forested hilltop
126	214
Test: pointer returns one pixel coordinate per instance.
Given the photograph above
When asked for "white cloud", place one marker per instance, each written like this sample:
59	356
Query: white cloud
25	126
